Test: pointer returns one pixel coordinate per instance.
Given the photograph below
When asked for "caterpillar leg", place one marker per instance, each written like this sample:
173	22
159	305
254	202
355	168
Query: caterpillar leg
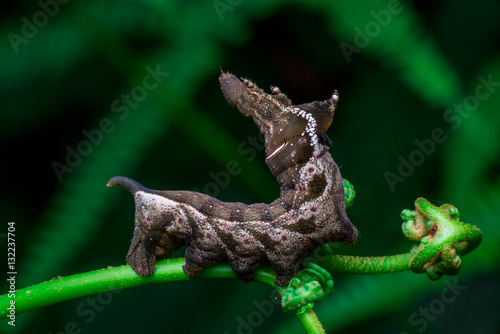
244	267
197	259
283	278
286	267
142	261
139	257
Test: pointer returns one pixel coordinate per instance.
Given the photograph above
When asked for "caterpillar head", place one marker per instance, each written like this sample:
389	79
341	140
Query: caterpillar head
279	121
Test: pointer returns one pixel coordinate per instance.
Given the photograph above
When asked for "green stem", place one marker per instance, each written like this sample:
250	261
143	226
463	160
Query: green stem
367	265
310	322
117	278
65	288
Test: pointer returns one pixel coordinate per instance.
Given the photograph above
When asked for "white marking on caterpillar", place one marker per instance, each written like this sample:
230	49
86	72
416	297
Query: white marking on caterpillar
311	127
276	151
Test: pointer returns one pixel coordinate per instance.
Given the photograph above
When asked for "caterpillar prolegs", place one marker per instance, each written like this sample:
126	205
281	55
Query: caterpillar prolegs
310	211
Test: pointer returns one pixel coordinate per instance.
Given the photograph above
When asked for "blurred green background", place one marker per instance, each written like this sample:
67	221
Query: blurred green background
76	76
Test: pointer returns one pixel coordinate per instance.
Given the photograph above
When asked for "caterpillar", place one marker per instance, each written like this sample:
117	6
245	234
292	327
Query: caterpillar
309	213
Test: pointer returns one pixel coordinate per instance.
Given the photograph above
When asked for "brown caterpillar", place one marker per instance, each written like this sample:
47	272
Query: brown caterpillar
309	213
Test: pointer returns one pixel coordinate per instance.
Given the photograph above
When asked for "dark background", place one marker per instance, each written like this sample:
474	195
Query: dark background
411	62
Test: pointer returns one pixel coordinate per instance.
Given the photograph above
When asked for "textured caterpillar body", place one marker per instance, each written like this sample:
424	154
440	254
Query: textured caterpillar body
309	213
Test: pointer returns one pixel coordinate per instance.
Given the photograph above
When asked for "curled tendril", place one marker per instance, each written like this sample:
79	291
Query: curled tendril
443	238
349	193
309	285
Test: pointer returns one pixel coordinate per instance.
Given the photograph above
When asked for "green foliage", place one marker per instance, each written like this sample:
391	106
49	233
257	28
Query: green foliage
394	92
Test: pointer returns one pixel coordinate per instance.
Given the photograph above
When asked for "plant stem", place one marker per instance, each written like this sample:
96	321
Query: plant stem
115	278
367	265
310	322
65	288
